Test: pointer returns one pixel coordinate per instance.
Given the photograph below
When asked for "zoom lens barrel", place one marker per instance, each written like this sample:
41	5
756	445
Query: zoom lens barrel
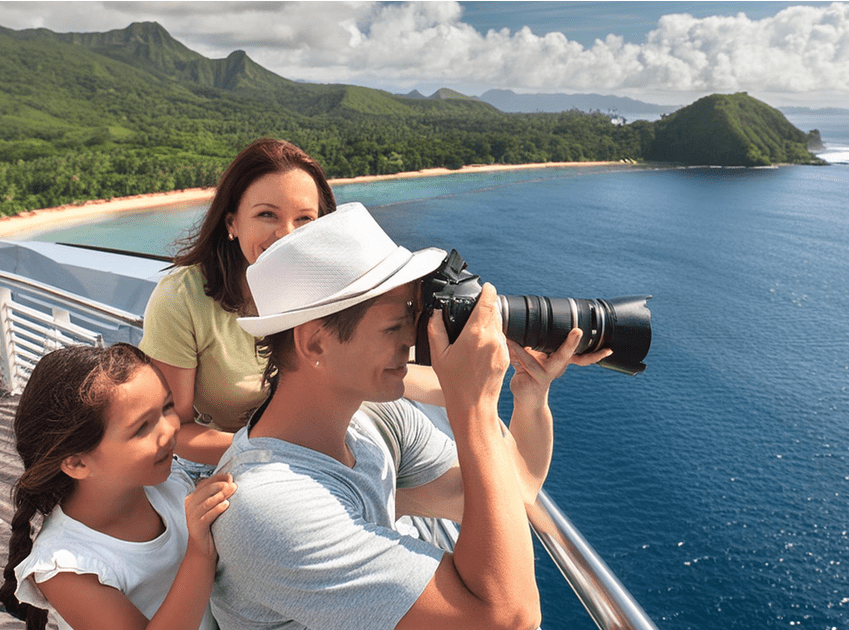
622	324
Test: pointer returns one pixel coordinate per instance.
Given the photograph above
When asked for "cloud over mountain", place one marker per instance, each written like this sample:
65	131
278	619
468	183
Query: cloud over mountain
800	50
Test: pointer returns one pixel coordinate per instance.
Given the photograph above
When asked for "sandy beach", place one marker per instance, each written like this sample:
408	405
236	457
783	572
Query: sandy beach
48	218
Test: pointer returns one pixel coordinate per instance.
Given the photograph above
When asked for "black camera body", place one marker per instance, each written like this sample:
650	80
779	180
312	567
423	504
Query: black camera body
622	324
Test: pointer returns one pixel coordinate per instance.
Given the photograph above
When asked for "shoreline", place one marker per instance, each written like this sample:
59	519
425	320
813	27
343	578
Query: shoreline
69	214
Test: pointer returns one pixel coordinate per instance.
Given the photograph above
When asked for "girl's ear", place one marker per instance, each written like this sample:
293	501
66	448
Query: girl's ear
75	467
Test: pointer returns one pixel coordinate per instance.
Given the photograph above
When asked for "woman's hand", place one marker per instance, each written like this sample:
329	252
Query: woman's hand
531	426
535	370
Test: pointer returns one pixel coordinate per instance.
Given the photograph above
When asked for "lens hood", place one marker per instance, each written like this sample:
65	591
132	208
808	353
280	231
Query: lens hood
630	337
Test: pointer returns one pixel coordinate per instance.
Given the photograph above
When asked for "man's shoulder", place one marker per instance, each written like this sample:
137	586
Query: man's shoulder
257	462
244	454
279	487
394	411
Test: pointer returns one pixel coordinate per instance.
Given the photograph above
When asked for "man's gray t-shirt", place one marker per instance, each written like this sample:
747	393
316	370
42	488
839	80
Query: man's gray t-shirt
309	543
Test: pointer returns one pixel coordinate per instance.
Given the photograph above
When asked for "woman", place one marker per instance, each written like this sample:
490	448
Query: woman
190	330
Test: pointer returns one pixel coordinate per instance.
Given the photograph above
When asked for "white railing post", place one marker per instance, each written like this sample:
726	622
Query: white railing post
36	319
55	341
7	344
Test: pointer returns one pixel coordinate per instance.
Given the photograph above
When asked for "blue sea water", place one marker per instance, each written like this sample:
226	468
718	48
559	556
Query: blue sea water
715	484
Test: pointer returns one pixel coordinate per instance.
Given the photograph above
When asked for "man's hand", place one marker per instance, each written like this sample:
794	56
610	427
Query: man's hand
473	367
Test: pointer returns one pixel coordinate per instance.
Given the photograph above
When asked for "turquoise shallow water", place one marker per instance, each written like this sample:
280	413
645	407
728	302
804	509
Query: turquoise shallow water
716	484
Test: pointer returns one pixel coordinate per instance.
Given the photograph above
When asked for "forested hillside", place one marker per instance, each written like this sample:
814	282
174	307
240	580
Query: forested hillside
729	130
100	115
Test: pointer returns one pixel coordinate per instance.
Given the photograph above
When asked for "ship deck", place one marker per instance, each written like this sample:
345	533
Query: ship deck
10	469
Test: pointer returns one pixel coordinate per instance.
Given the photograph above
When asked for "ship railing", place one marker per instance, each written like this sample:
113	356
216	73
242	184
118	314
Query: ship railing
610	605
36	318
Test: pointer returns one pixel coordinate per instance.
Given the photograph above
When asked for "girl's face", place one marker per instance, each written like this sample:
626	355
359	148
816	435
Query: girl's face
141	433
272	207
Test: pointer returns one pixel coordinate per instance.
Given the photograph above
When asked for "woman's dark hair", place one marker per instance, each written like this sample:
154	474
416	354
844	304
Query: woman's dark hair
61	413
221	259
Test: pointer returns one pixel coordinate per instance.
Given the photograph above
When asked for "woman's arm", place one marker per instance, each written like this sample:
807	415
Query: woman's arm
422	385
531	435
195	442
84	602
529	440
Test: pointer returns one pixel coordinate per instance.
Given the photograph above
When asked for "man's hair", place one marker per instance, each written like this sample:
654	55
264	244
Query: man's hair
279	349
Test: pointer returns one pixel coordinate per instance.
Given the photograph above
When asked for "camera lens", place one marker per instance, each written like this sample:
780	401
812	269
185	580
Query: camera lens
622	324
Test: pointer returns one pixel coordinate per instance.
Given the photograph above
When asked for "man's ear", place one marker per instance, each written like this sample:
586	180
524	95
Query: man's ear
310	342
75	467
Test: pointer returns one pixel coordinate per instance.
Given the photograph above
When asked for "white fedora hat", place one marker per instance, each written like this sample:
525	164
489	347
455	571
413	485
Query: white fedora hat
330	264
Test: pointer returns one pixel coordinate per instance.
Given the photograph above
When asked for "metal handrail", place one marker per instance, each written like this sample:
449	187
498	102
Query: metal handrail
36	318
70	300
607	601
610	605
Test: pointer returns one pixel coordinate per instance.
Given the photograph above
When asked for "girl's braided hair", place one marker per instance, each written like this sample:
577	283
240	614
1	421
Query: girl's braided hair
60	413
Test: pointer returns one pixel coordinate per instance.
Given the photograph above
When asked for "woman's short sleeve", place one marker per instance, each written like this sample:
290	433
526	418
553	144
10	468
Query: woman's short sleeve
169	328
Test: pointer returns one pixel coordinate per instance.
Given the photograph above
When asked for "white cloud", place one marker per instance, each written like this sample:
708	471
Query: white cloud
801	50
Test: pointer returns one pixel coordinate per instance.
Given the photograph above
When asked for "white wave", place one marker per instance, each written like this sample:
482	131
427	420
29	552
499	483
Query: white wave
835	155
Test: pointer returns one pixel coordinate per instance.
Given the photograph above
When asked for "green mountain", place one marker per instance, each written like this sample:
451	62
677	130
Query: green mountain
144	45
149	48
445	94
728	130
131	111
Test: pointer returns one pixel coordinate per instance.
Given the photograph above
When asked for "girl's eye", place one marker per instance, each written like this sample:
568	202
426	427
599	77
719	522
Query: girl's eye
142	429
169	408
306	219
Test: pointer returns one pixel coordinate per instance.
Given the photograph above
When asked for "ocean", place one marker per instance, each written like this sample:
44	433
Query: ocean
716	483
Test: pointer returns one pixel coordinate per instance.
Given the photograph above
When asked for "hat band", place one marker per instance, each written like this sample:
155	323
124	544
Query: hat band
373	281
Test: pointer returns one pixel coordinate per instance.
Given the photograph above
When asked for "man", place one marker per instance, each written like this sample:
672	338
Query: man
308	540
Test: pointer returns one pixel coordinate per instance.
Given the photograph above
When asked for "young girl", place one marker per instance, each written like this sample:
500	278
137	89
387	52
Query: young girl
125	541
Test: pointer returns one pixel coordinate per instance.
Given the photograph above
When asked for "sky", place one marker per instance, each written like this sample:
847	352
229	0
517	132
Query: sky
669	53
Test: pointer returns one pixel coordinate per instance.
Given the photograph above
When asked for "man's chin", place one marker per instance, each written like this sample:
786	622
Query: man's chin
389	394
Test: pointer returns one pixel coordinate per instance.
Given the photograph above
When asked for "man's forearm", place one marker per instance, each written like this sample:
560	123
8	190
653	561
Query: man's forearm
494	553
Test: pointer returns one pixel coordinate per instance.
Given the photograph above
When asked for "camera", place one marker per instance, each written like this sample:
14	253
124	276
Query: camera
622	324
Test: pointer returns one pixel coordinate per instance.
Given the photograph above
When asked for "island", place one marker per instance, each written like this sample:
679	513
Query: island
132	111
